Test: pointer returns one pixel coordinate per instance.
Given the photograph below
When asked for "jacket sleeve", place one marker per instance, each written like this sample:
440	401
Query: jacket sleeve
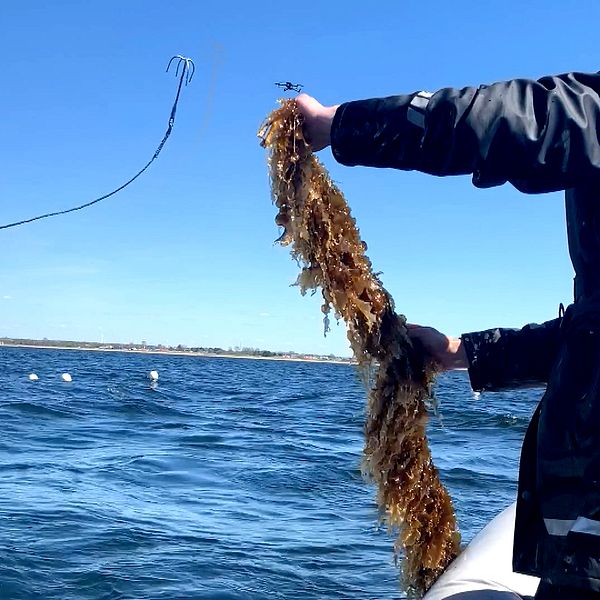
511	358
540	136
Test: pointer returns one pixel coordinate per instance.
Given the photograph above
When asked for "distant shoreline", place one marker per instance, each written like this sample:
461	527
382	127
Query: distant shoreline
180	353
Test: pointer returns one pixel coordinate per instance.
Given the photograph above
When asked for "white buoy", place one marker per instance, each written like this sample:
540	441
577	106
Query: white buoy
33	377
66	377
153	375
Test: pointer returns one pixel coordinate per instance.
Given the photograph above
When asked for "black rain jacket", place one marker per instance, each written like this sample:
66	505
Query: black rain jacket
540	136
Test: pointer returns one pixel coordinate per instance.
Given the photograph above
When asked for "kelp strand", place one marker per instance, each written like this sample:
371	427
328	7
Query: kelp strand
325	241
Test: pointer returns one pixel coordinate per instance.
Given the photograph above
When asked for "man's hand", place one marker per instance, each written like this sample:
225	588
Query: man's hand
447	352
317	121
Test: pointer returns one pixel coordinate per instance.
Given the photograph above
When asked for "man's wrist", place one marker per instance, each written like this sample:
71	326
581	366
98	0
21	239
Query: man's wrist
328	116
458	354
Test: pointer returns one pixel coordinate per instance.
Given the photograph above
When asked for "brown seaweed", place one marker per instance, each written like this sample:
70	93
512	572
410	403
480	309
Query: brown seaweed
325	242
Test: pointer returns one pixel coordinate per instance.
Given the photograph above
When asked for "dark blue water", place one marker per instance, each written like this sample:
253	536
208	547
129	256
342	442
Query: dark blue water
231	480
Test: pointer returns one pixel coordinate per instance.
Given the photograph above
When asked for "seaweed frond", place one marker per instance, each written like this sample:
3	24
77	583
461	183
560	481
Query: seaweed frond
324	239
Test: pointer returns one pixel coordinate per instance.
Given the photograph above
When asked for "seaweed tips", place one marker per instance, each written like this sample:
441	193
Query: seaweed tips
325	241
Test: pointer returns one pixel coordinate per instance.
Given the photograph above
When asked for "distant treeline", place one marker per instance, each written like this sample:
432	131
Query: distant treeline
143	346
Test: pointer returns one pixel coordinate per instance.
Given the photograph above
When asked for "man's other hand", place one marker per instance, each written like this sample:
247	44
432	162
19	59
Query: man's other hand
448	352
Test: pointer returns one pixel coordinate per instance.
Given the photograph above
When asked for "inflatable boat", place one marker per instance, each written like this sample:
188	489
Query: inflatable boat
483	571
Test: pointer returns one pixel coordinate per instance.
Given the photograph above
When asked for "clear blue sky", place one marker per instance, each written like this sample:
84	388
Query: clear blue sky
185	255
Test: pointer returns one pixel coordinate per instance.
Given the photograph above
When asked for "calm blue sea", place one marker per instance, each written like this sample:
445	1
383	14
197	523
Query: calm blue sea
230	480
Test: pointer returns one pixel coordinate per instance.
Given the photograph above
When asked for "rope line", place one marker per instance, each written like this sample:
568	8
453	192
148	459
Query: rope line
187	72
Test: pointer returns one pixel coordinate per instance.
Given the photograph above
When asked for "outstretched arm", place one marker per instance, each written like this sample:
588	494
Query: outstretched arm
538	135
497	359
510	358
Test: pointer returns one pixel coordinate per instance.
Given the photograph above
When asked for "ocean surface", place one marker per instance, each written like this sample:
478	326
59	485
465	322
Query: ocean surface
230	479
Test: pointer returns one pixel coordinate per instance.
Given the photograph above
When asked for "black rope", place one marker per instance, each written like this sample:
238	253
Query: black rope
187	72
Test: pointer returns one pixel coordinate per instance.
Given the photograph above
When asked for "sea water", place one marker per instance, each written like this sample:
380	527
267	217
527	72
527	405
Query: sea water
229	479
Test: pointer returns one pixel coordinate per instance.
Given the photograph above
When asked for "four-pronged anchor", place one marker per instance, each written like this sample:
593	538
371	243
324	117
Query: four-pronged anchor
187	72
288	86
187	65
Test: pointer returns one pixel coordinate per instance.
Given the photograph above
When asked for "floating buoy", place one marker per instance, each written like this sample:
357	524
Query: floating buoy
33	377
66	377
153	375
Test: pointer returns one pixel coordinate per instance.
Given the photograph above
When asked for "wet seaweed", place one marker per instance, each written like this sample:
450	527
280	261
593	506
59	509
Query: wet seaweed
325	241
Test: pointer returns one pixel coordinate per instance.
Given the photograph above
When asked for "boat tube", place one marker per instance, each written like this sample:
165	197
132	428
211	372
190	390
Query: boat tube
483	571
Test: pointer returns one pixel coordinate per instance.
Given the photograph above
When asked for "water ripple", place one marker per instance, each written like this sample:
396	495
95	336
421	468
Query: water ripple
231	479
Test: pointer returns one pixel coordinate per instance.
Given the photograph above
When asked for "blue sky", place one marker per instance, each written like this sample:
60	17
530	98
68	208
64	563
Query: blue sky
185	255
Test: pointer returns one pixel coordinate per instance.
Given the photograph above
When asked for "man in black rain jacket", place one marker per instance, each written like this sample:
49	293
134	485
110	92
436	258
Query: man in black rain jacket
540	136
